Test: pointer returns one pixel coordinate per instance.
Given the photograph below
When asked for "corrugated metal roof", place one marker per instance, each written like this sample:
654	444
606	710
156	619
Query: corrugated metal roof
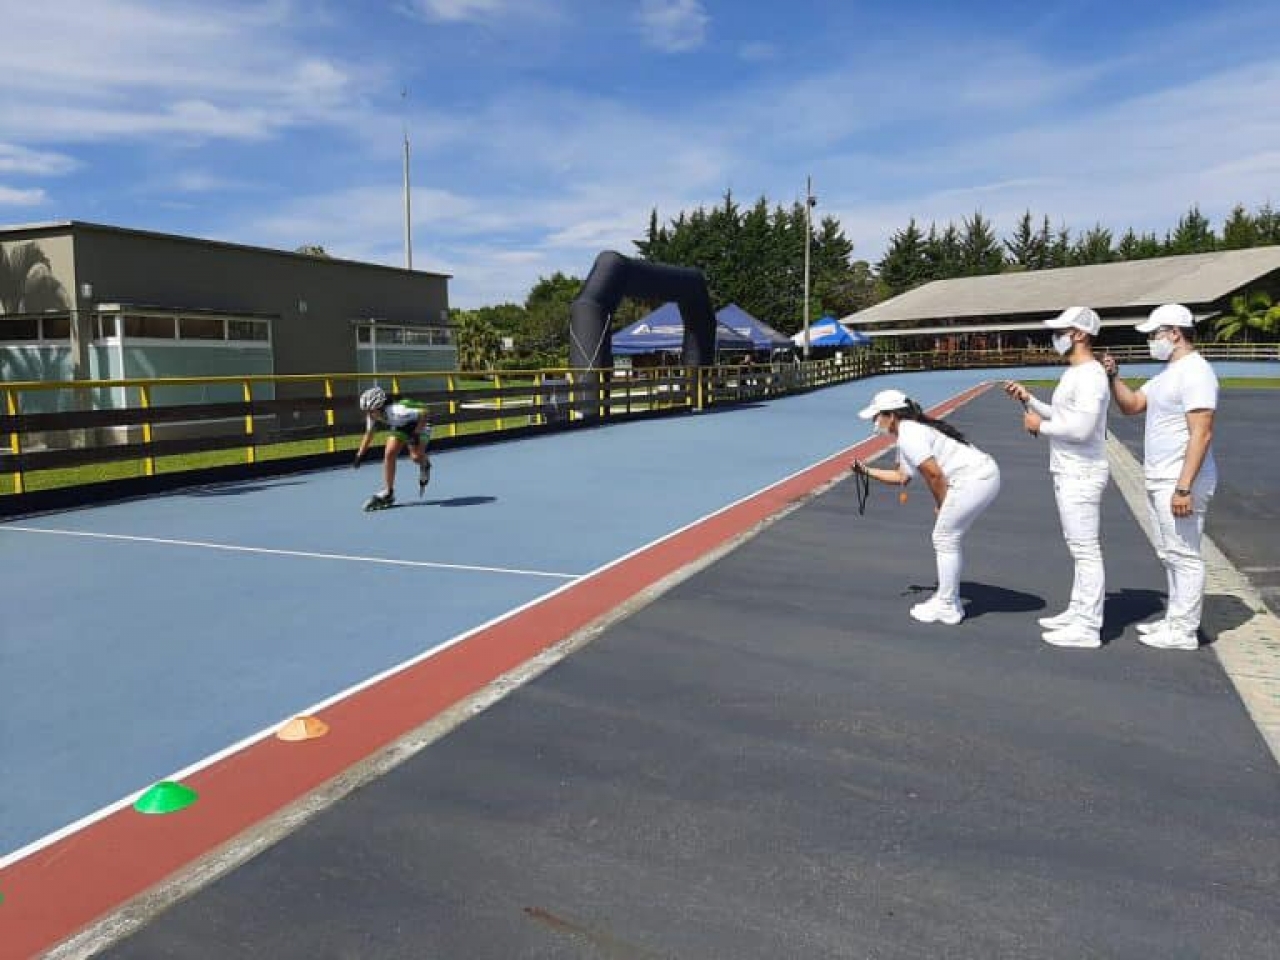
1196	279
1012	326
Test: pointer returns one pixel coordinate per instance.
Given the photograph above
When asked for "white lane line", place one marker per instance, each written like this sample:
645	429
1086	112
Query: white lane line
293	553
500	686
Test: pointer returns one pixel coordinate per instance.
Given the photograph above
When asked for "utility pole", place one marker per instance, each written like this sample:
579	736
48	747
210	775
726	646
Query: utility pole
408	219
810	201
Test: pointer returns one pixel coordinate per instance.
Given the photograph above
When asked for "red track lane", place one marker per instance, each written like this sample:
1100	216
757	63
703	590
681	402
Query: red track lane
59	890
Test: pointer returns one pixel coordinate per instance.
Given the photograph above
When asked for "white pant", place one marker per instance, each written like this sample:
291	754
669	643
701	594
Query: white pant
1178	547
969	492
1079	496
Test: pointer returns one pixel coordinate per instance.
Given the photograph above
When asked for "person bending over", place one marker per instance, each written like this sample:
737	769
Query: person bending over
409	426
963	480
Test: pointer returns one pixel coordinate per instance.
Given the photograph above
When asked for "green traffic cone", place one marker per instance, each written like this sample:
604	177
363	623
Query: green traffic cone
165	797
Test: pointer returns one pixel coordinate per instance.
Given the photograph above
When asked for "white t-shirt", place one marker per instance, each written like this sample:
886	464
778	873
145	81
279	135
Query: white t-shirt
917	443
1182	386
1076	418
400	415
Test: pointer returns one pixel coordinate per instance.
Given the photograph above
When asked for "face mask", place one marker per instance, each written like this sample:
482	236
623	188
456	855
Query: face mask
1161	349
1062	342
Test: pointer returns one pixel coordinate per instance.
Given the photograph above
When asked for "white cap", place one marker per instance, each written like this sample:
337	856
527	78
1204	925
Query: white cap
1170	315
883	401
1082	318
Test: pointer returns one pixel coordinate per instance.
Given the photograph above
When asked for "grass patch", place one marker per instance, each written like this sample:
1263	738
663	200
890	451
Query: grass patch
125	469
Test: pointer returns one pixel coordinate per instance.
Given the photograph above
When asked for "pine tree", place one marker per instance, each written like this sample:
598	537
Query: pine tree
1028	247
1194	234
1267	223
1239	231
1059	248
980	251
1093	247
904	264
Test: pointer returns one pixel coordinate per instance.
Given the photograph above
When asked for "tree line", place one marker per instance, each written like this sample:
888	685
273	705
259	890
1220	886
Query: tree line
754	256
914	256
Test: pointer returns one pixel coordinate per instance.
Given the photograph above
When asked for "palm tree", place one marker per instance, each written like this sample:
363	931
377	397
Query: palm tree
1250	312
27	283
478	342
27	286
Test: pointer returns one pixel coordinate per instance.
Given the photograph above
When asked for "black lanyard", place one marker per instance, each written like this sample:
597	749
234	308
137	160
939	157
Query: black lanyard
862	483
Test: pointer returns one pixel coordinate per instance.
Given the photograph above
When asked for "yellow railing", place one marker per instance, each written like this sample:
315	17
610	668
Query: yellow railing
71	433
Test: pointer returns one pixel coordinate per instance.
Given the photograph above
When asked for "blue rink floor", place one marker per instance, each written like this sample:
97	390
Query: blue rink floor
771	759
126	660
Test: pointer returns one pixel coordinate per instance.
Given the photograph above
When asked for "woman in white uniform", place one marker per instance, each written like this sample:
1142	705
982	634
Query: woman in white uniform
962	479
1075	421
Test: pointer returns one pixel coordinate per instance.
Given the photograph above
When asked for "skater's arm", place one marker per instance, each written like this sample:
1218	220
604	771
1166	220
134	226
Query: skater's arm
365	442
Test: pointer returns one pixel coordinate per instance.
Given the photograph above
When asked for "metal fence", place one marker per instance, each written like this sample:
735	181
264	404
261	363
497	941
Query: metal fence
80	433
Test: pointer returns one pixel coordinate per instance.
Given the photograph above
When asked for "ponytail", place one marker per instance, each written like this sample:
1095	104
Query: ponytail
913	411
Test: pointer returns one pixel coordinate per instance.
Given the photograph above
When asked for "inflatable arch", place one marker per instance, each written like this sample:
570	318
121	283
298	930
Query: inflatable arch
613	277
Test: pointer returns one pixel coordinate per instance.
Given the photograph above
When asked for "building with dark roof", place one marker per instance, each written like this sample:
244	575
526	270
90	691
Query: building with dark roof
1121	293
83	301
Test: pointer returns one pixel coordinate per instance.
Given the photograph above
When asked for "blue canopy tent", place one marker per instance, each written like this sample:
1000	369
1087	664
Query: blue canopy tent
830	332
663	331
762	336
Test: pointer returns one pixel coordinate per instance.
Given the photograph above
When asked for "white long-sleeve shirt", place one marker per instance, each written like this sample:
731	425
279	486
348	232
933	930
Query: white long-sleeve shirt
1075	421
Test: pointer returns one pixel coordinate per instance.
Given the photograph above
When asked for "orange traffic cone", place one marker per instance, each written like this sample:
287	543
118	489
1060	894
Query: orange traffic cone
302	728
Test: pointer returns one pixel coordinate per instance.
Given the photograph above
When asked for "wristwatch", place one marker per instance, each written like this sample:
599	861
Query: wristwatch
1182	491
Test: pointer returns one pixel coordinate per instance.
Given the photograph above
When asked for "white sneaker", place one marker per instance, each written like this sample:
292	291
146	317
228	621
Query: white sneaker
1168	639
1064	619
1072	636
1152	627
934	611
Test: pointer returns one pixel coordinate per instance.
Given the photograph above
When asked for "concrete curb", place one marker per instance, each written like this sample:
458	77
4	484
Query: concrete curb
1249	653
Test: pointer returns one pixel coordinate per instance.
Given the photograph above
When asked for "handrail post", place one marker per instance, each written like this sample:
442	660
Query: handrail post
250	453
453	406
149	460
541	402
497	383
15	440
329	419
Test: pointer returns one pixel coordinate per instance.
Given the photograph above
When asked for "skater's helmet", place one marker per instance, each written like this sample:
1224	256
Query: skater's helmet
375	398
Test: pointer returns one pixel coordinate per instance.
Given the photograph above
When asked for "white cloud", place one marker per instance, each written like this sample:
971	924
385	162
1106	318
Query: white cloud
202	181
457	11
9	197
673	26
1138	163
125	69
20	160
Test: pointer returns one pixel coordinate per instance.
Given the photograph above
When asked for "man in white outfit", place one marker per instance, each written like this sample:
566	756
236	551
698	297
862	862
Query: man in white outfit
1075	421
1181	474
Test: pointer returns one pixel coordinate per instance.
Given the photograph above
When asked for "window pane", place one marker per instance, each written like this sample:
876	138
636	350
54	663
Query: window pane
248	330
19	328
153	327
105	326
200	328
57	328
362	334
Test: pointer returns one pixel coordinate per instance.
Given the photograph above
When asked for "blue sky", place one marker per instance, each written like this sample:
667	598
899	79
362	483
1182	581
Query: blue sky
544	131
